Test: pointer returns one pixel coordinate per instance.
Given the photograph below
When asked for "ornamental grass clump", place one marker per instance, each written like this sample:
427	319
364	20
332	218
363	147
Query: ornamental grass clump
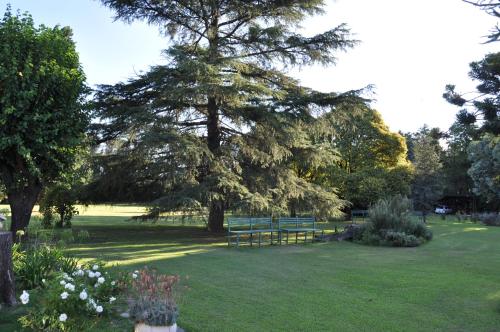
70	302
390	224
152	299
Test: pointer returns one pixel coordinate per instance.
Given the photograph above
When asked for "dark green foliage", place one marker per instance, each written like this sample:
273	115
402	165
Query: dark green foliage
483	106
484	156
35	263
41	117
390	224
489	219
58	199
220	125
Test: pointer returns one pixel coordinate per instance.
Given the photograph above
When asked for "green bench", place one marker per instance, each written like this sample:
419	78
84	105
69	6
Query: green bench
236	227
298	225
358	213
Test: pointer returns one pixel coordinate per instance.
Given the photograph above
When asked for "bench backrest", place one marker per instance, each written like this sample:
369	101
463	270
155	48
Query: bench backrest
249	223
359	213
297	222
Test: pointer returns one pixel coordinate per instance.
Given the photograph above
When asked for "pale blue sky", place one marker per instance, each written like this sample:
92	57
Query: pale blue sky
410	50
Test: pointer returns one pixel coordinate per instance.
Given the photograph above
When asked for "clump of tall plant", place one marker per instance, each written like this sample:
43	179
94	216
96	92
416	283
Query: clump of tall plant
390	223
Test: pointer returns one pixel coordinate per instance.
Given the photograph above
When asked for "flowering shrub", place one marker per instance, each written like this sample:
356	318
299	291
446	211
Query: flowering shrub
152	298
68	301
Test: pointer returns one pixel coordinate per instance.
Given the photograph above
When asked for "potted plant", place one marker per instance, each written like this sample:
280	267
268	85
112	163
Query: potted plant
152	302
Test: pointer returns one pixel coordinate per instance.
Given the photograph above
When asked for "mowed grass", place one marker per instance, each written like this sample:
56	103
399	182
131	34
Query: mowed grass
449	284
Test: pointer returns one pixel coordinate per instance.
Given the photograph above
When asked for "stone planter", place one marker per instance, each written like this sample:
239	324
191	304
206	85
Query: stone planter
141	327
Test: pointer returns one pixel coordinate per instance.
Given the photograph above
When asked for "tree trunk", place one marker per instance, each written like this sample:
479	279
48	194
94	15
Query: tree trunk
7	289
216	214
21	203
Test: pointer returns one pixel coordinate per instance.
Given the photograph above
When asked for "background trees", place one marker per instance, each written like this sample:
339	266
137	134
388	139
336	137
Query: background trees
371	161
221	121
41	117
427	183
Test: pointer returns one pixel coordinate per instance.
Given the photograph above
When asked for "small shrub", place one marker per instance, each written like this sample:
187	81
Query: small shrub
38	263
82	236
390	224
489	219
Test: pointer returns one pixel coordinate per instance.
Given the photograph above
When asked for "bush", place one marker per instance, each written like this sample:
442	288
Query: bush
389	223
71	301
489	219
38	263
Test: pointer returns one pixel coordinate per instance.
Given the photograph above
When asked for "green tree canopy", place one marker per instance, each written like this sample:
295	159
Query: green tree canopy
42	122
427	185
484	156
371	161
220	121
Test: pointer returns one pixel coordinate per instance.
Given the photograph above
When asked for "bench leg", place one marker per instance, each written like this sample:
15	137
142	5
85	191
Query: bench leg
228	240
314	236
260	238
271	238
287	235
305	237
296	237
238	240
251	239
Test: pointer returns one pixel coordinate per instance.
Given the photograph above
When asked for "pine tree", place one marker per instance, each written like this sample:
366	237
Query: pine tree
220	120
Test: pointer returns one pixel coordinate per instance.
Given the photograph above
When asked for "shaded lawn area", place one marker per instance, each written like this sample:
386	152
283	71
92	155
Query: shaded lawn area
449	284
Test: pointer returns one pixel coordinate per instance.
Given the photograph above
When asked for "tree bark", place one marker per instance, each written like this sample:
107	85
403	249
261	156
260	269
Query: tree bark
7	286
216	214
21	203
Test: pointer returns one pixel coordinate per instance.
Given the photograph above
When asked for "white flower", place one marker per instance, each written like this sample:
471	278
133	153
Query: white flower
136	272
65	275
113	283
99	309
25	297
43	280
80	273
64	295
134	275
101	280
97	274
96	285
62	282
91	274
95	267
83	295
112	299
70	287
63	317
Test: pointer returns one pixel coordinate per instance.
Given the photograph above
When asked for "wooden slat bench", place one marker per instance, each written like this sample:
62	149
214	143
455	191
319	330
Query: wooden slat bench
358	213
298	225
249	226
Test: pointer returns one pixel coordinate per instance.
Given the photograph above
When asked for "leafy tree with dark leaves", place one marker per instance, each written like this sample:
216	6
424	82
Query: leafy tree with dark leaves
492	7
482	106
221	122
42	121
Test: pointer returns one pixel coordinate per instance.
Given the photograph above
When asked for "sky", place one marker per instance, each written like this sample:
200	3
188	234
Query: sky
409	50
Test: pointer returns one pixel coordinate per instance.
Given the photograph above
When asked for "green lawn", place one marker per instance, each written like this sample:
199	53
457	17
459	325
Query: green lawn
449	284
